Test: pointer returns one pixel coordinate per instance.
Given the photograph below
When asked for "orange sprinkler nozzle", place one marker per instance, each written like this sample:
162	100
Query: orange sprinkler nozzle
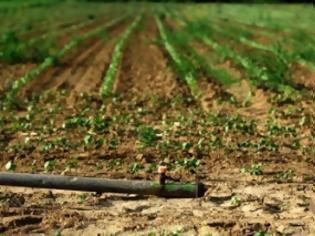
162	169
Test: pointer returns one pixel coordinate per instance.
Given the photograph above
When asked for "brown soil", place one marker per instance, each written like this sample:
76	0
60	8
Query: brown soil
65	37
192	141
145	70
260	207
257	107
302	76
10	73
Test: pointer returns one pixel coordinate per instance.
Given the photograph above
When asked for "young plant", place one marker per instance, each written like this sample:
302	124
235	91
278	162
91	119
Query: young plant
135	168
71	164
50	166
189	163
255	169
147	136
286	175
10	166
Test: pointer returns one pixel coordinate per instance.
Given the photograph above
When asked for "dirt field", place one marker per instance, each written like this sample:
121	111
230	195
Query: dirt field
257	160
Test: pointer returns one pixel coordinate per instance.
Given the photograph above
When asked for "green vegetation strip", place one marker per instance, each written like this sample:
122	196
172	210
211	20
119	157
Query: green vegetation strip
197	61
110	76
261	72
50	61
201	63
303	54
187	74
258	74
69	29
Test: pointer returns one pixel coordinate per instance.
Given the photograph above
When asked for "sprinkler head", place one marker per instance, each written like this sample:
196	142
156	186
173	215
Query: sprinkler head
162	171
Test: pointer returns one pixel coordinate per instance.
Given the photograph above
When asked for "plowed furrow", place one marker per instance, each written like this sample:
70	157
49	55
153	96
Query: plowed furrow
71	68
144	69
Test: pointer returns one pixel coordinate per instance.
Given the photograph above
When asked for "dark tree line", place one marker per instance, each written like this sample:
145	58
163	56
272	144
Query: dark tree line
205	1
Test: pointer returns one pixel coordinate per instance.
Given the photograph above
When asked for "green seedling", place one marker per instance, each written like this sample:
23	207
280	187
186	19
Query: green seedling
50	165
10	166
99	165
295	145
147	136
189	163
235	201
116	162
113	143
266	144
53	59
255	169
286	175
46	147
83	197
260	233
135	168
88	140
58	233
71	164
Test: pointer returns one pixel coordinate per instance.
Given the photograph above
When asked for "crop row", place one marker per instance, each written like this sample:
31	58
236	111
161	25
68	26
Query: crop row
263	76
50	61
301	51
27	21
110	75
185	72
15	49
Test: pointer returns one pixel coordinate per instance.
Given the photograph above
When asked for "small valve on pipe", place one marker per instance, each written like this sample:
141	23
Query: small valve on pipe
162	171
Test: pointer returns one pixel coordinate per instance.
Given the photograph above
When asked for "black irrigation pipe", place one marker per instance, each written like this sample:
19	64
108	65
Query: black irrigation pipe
102	185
